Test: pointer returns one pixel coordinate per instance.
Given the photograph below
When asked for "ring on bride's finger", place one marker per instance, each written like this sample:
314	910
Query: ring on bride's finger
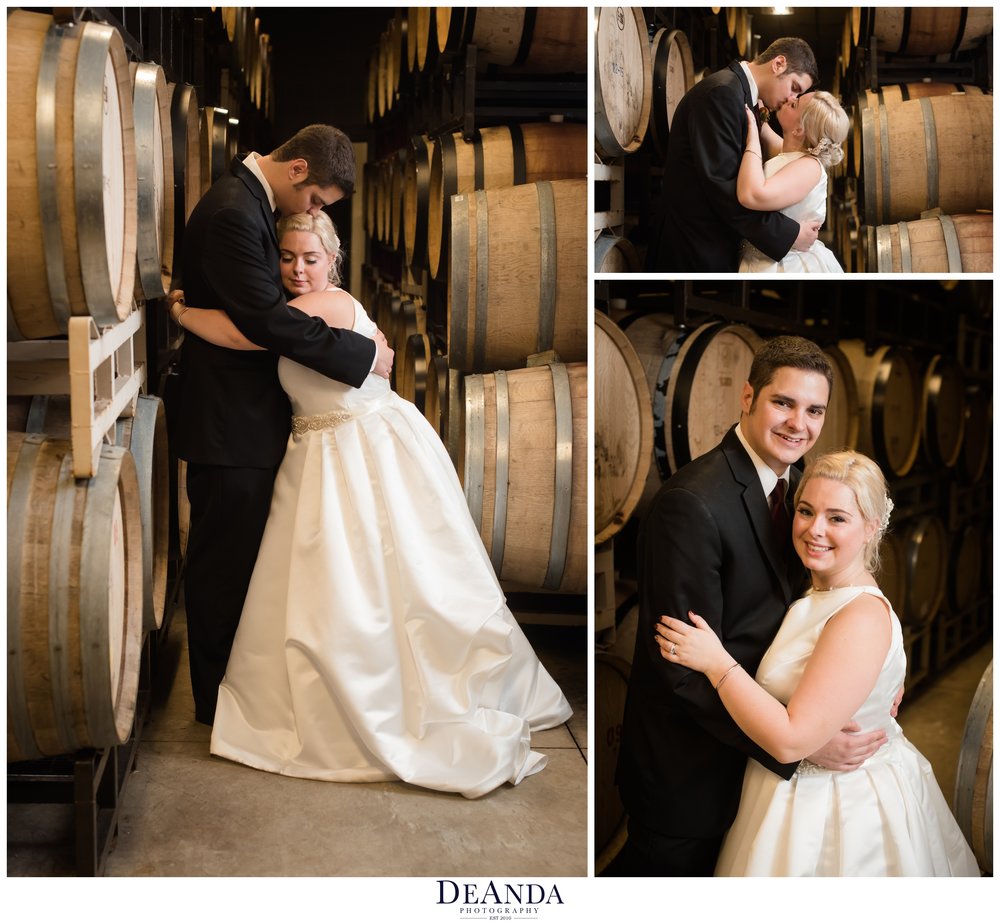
673	650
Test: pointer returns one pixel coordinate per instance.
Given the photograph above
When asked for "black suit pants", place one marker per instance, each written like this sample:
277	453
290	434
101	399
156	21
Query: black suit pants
229	508
649	853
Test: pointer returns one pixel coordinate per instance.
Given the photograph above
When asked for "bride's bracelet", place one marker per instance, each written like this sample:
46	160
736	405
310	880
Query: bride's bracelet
748	151
722	679
180	314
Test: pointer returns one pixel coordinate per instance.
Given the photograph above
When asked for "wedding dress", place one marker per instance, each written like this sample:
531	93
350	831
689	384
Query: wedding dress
817	259
375	641
888	818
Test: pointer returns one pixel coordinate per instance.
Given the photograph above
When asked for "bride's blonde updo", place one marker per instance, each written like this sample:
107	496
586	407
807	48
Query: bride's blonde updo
320	225
866	481
825	126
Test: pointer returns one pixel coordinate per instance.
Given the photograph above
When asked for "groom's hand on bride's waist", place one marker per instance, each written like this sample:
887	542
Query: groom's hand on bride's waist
384	356
808	232
848	750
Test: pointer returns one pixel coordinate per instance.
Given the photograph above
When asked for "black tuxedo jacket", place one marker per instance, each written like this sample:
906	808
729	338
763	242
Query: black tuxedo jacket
230	407
700	222
705	545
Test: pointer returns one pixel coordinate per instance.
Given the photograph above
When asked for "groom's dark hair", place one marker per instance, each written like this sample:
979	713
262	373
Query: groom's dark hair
798	55
327	150
781	352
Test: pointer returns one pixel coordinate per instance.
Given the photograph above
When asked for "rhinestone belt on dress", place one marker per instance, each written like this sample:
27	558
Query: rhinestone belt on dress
302	425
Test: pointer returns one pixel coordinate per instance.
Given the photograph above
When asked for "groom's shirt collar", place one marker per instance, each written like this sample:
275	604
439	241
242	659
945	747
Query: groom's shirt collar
767	477
753	87
251	164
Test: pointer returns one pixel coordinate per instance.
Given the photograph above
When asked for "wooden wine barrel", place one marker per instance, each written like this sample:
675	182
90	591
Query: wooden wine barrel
611	675
382	83
673	76
145	436
416	357
71	178
890	96
974	779
184	122
930	30
549	40
925	570
506	155
945	244
842	421
410	319
397	168
978	432
614	254
524	464
371	95
888	382
216	144
397	51
368	191
657	341
381	201
416	199
742	31
849	39
154	162
623	428
410	39
518	275
892	571
436	396
623	80
933	152
965	564
423	33
387	304
74	599
942	411
706	383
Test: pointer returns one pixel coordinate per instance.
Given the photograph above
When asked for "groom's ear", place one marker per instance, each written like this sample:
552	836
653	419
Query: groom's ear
298	169
779	64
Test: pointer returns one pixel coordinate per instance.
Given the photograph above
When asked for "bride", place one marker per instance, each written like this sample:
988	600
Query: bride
838	655
793	178
375	642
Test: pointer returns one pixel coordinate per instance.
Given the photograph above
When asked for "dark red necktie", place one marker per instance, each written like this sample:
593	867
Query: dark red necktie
779	513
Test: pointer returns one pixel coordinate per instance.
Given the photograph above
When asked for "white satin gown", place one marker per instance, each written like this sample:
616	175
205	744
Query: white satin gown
888	818
817	259
375	641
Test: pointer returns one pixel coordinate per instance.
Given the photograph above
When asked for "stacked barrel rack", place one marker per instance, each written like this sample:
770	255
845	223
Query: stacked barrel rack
913	389
914	192
95	516
476	266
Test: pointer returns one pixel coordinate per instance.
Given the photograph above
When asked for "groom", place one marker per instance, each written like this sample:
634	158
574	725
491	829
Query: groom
700	223
711	543
232	417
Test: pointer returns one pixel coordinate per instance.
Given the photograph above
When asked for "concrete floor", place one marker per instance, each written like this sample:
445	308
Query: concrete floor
186	813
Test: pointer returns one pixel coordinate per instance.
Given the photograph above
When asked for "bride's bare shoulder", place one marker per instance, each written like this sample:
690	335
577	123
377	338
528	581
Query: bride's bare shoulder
335	306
